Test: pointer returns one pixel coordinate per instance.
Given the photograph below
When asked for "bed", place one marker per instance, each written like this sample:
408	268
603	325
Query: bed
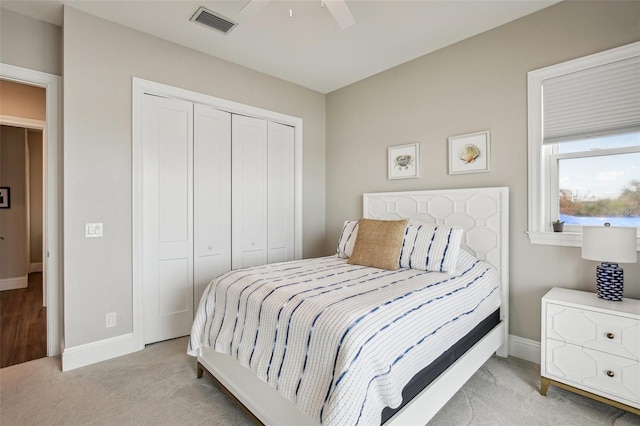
314	341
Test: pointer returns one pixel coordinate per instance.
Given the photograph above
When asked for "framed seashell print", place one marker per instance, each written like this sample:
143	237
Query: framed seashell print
469	153
404	161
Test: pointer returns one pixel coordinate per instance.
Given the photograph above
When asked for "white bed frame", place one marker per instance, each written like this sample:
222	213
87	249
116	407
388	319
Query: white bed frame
484	215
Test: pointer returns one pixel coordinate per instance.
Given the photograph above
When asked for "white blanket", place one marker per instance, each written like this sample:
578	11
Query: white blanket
341	340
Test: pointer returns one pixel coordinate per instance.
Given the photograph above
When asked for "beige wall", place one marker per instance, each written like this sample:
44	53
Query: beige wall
100	59
477	84
29	43
14	260
21	100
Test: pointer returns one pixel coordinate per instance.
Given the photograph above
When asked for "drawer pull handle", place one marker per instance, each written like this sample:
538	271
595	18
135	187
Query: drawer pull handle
610	373
610	336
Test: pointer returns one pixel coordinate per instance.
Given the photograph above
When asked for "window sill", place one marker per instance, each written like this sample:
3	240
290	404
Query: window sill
566	239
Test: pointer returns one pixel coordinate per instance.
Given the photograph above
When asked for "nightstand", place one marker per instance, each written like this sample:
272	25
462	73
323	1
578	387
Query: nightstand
591	347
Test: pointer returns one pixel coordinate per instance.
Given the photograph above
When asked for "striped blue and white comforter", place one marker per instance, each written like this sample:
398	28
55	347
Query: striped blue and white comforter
341	340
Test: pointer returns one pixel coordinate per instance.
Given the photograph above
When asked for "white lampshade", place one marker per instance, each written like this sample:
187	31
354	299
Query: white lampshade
609	244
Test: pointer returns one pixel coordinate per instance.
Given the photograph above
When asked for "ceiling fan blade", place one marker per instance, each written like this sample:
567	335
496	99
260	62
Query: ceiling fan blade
253	7
340	12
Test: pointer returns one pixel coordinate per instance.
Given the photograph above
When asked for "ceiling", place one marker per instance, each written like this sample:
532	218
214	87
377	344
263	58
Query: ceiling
308	49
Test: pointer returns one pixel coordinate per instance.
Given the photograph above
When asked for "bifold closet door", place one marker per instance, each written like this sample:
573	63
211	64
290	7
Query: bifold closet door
281	189
248	191
262	192
167	209
212	195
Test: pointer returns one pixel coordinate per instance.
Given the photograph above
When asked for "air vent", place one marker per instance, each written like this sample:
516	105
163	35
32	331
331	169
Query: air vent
213	20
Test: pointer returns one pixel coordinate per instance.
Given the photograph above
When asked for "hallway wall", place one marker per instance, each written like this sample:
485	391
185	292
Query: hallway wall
22	100
14	262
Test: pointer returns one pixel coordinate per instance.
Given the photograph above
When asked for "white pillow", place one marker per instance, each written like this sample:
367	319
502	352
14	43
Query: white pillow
465	260
347	238
431	248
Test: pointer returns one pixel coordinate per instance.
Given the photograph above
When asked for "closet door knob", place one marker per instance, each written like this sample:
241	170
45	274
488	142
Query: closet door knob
610	336
210	247
610	373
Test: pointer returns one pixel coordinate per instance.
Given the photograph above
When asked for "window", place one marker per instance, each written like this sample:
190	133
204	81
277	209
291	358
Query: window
584	145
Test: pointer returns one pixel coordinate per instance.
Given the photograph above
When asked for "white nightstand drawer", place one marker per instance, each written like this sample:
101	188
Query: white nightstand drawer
612	376
591	346
604	332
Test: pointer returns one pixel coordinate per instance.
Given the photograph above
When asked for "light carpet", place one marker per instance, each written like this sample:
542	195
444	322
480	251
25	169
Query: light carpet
158	386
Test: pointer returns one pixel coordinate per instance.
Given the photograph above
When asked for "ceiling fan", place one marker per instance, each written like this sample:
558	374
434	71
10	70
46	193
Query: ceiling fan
338	9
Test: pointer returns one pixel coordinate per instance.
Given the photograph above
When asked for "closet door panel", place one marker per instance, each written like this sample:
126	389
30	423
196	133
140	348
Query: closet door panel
174	183
167	200
281	189
249	191
172	297
212	200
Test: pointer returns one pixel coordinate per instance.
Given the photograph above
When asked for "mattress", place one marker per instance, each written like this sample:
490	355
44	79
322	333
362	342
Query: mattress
341	341
429	373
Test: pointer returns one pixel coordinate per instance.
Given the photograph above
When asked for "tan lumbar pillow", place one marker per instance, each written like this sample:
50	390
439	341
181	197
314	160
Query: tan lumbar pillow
378	243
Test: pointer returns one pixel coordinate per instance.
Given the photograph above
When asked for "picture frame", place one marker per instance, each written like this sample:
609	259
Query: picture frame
404	161
5	197
470	153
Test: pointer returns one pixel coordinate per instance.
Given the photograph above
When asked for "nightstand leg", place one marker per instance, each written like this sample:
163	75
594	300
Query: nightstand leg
544	386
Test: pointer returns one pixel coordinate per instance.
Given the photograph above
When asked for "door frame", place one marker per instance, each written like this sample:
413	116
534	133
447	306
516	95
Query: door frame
141	87
52	244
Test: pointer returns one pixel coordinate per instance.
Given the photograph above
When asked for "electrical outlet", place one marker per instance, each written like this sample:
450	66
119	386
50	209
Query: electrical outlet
111	319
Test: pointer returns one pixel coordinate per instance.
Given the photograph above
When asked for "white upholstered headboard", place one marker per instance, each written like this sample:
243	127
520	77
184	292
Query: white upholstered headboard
483	213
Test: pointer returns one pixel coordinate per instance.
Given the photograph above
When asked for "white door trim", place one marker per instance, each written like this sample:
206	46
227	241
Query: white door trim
140	87
52	277
27	123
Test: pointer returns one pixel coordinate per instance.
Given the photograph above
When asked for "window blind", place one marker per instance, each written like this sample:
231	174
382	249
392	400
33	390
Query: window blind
597	101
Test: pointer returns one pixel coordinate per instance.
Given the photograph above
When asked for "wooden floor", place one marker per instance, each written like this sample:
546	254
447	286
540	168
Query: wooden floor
23	323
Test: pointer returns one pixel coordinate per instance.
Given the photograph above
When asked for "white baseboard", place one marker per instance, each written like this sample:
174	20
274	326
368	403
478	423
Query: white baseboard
91	353
14	283
526	349
36	267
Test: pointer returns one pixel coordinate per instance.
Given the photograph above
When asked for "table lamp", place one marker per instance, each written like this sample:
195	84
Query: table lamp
609	245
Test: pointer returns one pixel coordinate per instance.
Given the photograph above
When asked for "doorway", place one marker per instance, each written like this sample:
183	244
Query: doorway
50	267
23	322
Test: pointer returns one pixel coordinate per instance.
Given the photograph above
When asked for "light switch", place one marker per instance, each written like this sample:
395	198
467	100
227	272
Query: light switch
93	230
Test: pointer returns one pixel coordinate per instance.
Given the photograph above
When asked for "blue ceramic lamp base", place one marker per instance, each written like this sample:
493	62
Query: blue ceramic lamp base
609	281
